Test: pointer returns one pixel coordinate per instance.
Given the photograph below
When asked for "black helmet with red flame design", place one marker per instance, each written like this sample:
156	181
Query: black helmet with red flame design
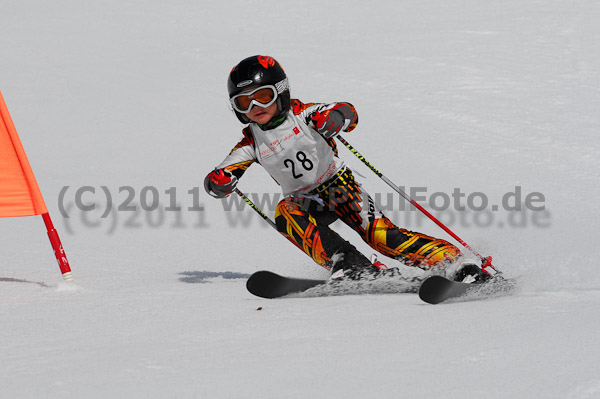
257	71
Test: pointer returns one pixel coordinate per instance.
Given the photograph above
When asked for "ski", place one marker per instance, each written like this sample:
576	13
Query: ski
267	284
433	290
437	289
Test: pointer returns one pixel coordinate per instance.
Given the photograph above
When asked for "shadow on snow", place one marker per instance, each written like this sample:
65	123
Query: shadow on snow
201	277
18	280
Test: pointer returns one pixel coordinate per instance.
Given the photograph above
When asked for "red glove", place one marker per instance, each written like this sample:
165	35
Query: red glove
220	183
328	123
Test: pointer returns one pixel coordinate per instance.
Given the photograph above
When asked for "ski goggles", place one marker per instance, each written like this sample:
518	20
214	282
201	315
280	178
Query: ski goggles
262	96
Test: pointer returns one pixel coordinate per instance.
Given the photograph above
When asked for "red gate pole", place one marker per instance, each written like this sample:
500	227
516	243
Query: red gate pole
59	252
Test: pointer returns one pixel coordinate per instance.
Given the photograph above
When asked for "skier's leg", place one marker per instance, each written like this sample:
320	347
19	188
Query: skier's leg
357	209
420	250
298	221
412	248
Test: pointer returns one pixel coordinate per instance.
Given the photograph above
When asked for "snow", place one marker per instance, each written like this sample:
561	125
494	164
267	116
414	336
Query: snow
478	96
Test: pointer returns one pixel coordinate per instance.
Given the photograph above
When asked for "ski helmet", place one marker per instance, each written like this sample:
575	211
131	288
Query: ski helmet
256	71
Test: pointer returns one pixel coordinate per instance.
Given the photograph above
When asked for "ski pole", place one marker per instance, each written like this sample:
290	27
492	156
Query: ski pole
487	261
256	208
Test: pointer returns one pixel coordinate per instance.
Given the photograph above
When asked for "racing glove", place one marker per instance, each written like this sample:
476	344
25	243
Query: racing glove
328	123
220	183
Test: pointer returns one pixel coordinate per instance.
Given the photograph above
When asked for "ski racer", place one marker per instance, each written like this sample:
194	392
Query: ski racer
294	142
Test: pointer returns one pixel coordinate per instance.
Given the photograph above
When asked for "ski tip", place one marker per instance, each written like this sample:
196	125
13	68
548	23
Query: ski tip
431	292
267	284
438	289
257	282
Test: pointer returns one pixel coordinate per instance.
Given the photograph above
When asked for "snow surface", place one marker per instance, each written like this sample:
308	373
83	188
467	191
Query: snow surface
483	96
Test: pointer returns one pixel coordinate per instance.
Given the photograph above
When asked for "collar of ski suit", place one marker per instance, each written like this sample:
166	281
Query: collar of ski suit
274	122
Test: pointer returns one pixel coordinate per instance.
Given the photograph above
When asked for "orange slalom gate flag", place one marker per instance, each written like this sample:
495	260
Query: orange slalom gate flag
19	192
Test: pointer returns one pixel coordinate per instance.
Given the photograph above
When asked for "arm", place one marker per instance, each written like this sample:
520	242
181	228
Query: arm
222	181
327	119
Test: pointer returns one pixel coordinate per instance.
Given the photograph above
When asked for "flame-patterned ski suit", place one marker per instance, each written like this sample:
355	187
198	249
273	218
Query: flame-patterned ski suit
320	189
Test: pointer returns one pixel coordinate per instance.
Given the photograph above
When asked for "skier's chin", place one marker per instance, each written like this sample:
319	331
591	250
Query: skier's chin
261	117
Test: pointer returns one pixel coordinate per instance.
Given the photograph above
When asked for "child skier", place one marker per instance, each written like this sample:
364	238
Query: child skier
295	143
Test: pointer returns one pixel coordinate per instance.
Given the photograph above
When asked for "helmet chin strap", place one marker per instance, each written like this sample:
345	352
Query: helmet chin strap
279	106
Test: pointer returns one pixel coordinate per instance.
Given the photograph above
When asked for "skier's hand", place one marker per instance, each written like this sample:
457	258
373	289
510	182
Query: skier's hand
220	183
328	123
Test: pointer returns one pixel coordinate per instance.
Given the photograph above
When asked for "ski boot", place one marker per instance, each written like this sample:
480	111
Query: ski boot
358	267
470	272
352	265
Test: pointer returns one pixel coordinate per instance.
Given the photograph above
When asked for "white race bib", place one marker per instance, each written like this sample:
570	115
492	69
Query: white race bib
296	156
